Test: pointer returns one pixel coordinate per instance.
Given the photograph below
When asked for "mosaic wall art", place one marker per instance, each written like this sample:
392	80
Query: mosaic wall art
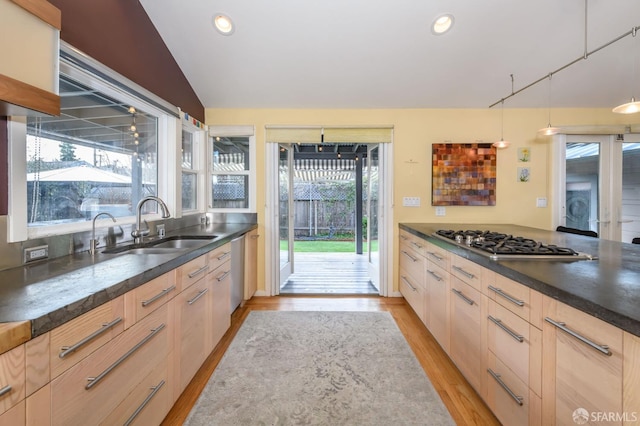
464	174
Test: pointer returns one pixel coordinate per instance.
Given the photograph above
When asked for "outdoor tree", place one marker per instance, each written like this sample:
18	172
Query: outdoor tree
67	152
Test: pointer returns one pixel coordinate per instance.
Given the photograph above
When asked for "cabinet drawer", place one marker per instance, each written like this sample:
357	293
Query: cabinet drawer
467	271
438	256
414	294
89	391
509	338
508	397
513	296
143	300
12	378
413	263
148	403
191	272
76	339
416	243
218	256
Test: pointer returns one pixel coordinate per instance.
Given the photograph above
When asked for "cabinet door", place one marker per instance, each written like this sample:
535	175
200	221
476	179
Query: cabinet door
193	332
12	378
251	264
414	294
466	332
582	365
220	284
438	311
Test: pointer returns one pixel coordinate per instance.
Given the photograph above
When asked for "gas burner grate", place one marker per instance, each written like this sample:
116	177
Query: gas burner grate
497	243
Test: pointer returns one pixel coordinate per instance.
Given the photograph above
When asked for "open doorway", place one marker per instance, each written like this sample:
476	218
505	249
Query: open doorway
328	210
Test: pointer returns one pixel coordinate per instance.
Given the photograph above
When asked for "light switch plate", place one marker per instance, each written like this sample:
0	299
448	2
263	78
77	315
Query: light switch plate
411	201
541	202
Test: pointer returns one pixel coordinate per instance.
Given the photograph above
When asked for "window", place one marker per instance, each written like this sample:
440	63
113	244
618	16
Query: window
232	170
192	165
100	155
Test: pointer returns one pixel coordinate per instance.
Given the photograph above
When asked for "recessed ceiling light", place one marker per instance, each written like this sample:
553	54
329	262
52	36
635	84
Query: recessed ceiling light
442	24
223	24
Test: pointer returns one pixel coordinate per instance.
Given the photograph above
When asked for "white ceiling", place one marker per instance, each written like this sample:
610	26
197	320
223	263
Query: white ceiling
382	54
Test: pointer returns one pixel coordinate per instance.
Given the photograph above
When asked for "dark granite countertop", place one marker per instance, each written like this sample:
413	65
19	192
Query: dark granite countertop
51	293
607	288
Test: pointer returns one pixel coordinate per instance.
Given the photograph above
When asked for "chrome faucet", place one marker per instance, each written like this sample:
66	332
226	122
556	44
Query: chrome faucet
93	243
138	233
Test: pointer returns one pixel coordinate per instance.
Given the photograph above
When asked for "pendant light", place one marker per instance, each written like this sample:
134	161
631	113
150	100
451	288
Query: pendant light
549	131
502	143
633	106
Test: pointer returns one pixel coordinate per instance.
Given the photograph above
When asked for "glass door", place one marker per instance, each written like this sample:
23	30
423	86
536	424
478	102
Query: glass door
285	203
602	177
372	212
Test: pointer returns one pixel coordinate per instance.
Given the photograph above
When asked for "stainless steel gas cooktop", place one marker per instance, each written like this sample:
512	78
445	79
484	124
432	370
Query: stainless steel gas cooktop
497	246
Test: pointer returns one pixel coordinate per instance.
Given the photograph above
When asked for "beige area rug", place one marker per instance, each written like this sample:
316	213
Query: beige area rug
319	368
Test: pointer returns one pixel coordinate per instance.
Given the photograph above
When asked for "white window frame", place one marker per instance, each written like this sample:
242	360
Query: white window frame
18	229
198	169
223	131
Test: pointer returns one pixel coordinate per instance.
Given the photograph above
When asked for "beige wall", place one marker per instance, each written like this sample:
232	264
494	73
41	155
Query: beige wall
415	130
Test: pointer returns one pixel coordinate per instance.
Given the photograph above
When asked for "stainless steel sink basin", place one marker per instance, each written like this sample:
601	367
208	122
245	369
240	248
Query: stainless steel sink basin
174	244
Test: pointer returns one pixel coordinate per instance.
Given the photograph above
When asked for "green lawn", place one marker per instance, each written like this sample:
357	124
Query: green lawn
327	246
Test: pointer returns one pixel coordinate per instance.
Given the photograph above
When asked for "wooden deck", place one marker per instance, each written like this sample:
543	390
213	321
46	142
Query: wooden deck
329	273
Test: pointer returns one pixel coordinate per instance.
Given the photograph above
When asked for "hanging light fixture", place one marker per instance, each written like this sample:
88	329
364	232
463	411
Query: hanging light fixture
501	143
633	106
549	131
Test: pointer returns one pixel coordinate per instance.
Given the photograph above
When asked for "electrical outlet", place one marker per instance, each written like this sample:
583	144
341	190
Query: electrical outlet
36	253
411	201
440	211
541	202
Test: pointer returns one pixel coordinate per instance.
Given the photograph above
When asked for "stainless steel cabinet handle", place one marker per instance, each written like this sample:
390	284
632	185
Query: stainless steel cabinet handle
66	350
95	380
408	283
199	271
416	244
516	398
510	332
255	236
434	275
462	296
147	302
223	276
223	255
197	296
154	390
510	298
604	349
5	390
413	259
435	255
462	271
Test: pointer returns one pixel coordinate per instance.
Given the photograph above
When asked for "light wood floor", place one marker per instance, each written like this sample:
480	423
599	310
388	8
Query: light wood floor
329	274
461	400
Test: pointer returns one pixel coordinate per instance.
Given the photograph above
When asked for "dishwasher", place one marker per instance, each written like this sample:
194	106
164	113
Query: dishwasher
237	272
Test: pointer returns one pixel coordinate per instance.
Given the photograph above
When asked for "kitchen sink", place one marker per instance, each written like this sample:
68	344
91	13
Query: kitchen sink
168	245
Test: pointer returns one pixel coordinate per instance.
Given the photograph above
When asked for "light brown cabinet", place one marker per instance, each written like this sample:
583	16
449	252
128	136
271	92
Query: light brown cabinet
467	312
251	264
91	390
412	276
582	361
12	378
438	285
220	311
193	337
29	66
